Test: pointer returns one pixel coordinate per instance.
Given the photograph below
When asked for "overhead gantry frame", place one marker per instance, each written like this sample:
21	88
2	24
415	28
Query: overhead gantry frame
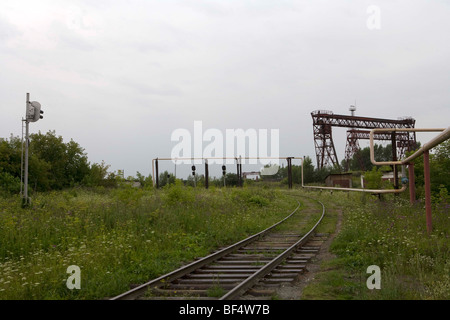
324	120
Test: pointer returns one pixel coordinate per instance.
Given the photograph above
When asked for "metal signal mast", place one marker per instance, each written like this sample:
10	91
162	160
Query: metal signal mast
33	113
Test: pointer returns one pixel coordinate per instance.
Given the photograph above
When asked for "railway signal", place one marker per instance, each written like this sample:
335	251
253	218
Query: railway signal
193	174
33	113
224	172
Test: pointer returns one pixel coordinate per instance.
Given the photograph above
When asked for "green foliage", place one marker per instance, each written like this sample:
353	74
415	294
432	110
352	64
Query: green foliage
166	178
99	176
177	194
128	194
361	160
392	235
308	171
121	236
8	183
145	182
310	174
439	169
53	165
373	178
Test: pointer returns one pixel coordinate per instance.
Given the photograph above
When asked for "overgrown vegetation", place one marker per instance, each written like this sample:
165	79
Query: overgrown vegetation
53	165
392	235
121	236
83	215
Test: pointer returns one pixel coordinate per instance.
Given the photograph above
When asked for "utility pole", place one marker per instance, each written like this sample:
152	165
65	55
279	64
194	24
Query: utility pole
25	199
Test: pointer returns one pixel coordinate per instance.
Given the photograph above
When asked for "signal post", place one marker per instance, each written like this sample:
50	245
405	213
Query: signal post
33	113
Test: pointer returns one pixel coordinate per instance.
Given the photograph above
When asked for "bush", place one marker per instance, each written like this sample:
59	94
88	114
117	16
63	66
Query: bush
8	183
373	178
178	194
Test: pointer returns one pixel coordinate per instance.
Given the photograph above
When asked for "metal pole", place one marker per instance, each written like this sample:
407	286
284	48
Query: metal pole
26	200
157	174
394	158
175	169
303	159
290	168
412	184
238	174
206	174
21	165
289	173
426	171
241	182
153	173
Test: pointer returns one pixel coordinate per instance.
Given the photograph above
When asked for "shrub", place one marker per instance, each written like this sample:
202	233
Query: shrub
8	183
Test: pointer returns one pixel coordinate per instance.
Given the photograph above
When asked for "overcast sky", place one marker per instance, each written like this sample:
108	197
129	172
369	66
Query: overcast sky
119	77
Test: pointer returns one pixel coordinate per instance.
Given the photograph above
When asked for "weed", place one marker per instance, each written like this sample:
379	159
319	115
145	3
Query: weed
121	236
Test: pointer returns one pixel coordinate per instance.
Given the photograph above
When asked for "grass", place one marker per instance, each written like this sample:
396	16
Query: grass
123	236
128	236
392	235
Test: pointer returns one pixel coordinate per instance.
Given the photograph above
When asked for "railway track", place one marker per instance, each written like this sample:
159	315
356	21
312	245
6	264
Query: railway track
251	267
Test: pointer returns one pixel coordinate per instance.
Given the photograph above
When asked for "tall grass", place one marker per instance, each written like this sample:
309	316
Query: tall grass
122	236
392	235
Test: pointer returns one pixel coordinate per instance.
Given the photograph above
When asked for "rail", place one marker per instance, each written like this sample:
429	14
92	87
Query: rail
133	293
249	281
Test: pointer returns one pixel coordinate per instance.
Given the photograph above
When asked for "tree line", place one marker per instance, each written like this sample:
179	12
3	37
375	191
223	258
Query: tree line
53	165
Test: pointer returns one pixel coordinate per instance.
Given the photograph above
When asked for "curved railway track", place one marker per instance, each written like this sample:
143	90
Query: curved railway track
256	264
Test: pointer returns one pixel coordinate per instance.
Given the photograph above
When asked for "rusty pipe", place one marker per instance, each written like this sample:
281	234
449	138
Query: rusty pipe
377	191
445	134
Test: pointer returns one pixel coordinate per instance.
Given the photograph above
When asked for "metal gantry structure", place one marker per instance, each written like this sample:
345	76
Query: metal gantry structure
324	121
408	161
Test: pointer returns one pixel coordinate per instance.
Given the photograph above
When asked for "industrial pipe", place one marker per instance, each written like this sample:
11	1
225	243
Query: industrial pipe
426	162
427	146
377	191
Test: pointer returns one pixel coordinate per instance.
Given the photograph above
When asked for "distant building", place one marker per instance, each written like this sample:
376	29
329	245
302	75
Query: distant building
254	175
343	180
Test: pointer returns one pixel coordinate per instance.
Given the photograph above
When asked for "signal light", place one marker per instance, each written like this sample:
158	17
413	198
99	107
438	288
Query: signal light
34	112
193	170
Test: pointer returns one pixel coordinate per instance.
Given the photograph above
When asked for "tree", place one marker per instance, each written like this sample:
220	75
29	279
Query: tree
98	176
439	168
362	157
52	164
51	149
373	178
146	182
166	178
308	170
77	165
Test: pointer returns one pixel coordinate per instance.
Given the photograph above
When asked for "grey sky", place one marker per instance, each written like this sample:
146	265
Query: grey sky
120	76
